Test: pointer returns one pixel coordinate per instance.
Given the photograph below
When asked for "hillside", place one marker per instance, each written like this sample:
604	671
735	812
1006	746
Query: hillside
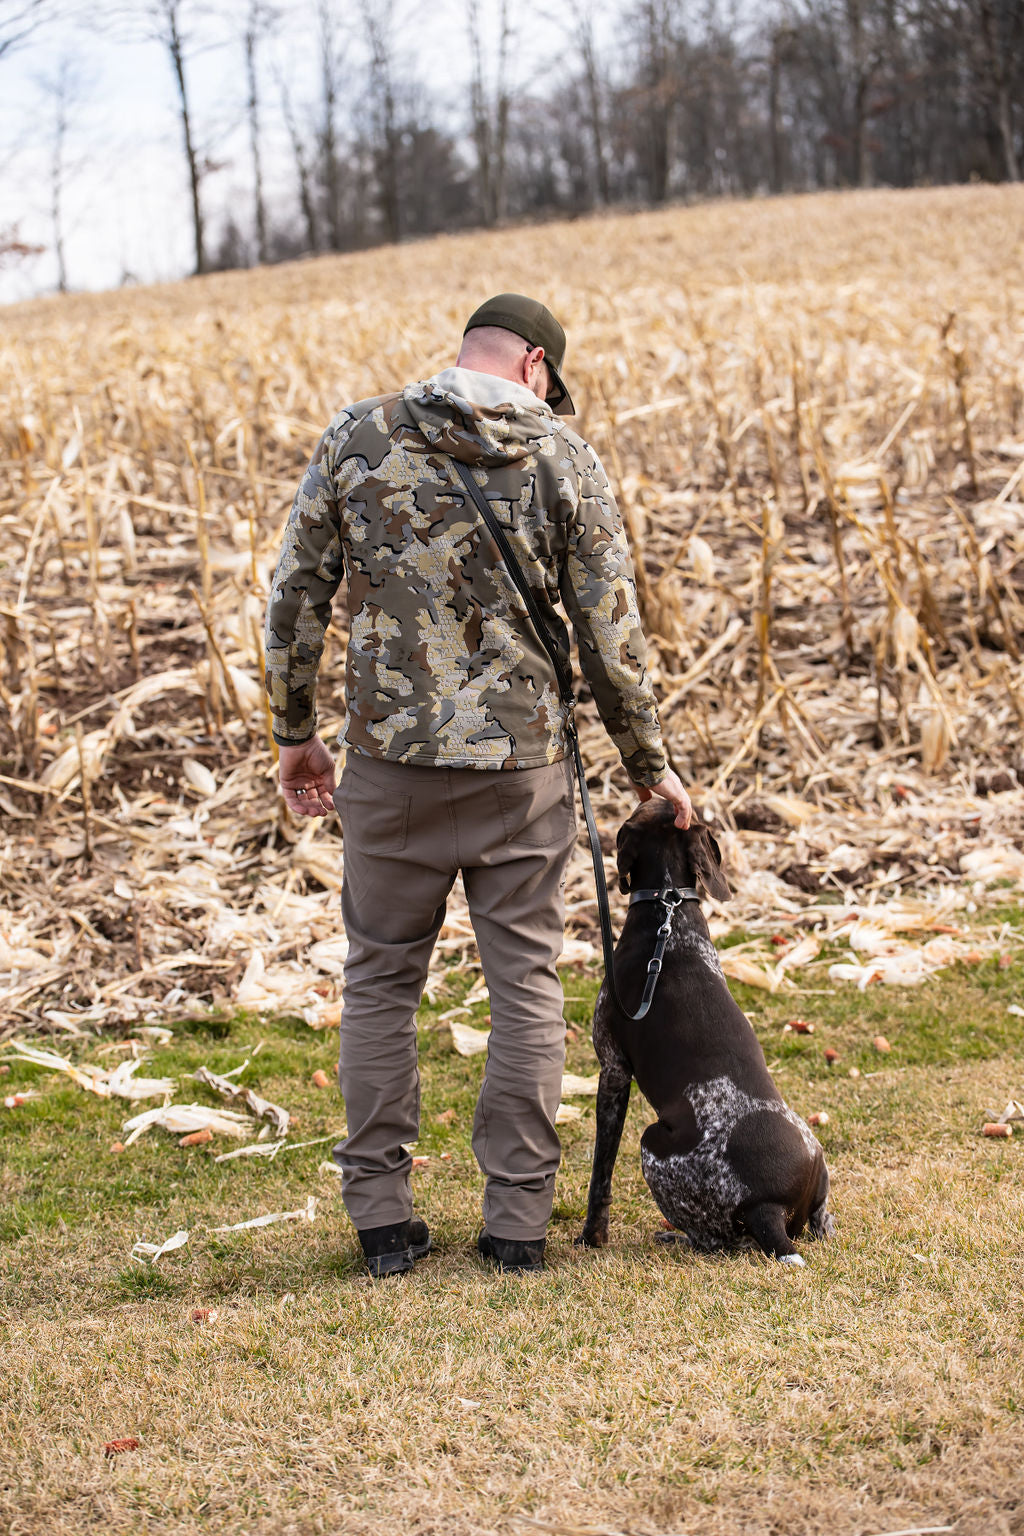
813	411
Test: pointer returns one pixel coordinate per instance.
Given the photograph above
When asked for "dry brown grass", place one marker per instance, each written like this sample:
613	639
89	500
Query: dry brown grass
637	1390
814	411
820	472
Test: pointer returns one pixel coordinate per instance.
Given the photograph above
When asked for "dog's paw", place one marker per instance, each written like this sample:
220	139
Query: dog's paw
592	1237
793	1259
673	1239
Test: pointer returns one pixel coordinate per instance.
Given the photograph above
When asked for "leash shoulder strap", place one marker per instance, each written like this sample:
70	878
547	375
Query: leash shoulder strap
564	678
563	674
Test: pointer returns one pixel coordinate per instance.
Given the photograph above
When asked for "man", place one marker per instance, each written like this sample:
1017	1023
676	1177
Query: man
455	742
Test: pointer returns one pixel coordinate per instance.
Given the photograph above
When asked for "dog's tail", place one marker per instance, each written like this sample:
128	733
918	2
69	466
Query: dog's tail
766	1223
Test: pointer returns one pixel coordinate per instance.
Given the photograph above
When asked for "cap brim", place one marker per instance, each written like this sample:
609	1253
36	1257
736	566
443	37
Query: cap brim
559	399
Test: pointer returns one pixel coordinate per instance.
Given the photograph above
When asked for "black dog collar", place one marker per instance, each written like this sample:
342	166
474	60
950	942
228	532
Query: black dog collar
672	897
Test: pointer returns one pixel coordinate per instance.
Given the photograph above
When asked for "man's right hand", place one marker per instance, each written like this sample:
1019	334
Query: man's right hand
670	788
307	777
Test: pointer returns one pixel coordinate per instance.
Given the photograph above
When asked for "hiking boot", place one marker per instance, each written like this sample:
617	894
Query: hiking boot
511	1254
393	1250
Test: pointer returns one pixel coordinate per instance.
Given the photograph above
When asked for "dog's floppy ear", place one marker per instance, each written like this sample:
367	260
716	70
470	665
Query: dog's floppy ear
626	850
707	863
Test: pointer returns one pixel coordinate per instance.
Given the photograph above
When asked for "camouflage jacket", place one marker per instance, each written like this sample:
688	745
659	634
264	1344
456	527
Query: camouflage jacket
443	665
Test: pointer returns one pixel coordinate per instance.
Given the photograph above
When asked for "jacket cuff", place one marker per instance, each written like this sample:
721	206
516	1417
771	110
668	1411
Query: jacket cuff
652	772
292	741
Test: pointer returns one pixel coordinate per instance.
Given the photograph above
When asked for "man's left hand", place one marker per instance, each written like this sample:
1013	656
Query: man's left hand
307	777
670	789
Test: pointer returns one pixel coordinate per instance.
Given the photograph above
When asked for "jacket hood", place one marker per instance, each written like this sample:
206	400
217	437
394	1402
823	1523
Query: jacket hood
462	413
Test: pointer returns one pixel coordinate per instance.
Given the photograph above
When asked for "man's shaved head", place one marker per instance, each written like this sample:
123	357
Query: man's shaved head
492	349
493	343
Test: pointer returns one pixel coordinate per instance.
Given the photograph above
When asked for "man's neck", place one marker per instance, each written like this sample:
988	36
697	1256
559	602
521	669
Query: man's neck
481	387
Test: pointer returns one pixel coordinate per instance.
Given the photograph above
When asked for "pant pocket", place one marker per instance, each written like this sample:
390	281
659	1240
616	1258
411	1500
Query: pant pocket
372	817
537	813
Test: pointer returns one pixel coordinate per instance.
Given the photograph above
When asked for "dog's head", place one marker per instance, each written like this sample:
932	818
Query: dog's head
653	852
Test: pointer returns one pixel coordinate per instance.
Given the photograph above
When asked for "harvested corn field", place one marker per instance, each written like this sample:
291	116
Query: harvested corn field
813	412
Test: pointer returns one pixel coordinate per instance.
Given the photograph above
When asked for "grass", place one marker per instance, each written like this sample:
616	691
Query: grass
637	1389
756	376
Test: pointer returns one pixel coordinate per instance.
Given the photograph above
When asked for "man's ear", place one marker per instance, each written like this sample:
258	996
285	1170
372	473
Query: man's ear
707	864
626	846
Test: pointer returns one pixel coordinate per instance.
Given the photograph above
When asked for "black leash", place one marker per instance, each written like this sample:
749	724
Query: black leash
671	899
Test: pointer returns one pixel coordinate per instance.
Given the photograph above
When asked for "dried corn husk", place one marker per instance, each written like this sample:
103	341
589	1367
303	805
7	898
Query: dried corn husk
468	1041
121	1083
576	1087
148	1253
306	1212
183	884
181	1119
263	1109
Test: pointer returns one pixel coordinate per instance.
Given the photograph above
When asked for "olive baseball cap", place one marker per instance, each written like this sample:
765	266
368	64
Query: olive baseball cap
530	319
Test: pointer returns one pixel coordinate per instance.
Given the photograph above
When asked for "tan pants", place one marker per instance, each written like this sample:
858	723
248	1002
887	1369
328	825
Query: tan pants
408	831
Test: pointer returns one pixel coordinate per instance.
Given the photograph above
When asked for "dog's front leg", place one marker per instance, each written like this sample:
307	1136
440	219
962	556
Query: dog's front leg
612	1103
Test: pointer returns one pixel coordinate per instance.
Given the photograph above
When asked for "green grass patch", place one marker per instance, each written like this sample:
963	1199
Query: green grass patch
639	1388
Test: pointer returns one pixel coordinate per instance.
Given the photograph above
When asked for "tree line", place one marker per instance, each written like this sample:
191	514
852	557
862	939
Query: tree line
634	102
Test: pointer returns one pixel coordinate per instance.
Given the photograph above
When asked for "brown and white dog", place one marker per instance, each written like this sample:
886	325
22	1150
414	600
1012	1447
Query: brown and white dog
726	1160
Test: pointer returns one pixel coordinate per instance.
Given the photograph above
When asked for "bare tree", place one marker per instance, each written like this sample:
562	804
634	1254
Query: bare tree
593	85
329	144
19	19
165	21
654	25
863	63
998	22
303	170
259	22
778	49
63	90
387	138
490	110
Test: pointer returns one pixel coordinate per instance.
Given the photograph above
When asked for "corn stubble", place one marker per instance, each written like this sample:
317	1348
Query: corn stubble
813	412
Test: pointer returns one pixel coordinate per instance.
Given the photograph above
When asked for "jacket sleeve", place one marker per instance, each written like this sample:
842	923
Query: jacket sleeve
308	574
598	591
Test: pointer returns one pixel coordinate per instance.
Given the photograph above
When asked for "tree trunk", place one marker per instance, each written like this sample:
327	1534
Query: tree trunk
657	21
329	128
481	116
774	126
592	82
861	150
301	169
501	115
490	120
996	52
174	47
388	146
259	207
860	166
1005	116
63	90
57	212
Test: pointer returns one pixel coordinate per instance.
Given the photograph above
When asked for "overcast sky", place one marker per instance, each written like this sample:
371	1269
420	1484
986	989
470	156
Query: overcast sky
127	208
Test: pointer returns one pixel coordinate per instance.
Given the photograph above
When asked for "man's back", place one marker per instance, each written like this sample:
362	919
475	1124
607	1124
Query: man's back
443	665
